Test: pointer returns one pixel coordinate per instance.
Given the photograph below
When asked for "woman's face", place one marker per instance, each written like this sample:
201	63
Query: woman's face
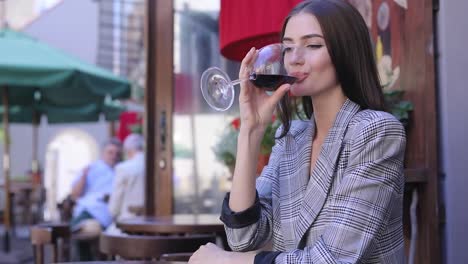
306	57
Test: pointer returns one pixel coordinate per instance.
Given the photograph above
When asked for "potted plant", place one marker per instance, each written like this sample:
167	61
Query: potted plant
226	147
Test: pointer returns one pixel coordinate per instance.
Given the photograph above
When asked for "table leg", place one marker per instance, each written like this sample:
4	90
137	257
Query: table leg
6	241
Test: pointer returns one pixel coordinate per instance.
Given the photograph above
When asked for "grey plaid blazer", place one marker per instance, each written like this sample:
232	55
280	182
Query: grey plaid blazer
348	210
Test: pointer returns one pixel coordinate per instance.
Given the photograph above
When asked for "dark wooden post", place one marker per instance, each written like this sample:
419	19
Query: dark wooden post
158	100
422	171
150	107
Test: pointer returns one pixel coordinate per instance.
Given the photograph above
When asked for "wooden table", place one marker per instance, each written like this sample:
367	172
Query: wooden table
175	224
127	262
25	188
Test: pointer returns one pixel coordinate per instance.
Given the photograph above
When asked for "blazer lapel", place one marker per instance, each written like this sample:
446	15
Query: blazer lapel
294	171
322	176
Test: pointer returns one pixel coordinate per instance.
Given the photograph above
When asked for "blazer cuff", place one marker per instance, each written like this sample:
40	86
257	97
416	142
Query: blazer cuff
266	257
241	219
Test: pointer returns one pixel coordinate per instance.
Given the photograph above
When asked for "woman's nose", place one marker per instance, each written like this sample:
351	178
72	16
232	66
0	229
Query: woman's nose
297	56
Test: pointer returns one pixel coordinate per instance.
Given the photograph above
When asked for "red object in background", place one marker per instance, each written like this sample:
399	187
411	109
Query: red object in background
36	177
127	120
244	24
236	123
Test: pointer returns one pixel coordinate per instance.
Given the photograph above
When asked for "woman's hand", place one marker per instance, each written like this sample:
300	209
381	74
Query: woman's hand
210	253
256	106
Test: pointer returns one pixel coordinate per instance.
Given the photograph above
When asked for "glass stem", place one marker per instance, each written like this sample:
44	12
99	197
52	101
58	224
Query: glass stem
236	82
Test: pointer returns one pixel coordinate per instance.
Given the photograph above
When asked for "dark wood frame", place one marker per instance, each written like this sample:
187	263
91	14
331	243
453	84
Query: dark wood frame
158	100
417	79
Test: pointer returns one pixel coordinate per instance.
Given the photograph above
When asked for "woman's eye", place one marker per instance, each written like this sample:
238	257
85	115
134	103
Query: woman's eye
314	46
286	49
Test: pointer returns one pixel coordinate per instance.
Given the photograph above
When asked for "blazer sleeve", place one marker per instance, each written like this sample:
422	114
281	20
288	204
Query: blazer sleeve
118	189
252	228
360	208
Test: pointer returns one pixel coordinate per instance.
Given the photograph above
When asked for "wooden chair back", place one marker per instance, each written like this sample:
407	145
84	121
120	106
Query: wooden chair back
40	236
147	247
66	209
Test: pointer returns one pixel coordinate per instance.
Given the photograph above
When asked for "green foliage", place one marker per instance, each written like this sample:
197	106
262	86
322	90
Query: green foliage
226	147
398	107
137	129
268	140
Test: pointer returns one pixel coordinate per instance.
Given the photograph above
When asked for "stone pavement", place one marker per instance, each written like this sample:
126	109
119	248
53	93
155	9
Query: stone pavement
21	249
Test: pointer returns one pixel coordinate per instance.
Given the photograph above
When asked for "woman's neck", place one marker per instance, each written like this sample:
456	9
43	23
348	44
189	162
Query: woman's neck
326	107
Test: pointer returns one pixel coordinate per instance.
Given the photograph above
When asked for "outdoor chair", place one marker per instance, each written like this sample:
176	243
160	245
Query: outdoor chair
29	203
55	234
66	209
80	237
146	247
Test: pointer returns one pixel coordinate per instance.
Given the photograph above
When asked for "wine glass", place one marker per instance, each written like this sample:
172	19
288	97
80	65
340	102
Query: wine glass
268	73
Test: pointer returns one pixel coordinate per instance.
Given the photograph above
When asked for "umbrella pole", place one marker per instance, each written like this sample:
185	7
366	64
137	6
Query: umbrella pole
6	170
112	129
35	162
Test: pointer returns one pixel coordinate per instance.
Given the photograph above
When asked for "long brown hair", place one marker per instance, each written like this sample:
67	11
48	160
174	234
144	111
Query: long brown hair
350	48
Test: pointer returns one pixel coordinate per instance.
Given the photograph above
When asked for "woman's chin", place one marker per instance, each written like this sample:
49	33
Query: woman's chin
297	90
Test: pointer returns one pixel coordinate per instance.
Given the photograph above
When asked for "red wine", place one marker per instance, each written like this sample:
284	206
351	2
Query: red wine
271	82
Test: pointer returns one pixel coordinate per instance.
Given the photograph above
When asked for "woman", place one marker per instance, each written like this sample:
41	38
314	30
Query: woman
332	191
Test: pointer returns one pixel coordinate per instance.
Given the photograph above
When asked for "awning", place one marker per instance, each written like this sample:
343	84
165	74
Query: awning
244	24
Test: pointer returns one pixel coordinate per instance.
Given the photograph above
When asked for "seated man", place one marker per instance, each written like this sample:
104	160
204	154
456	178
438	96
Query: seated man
128	190
90	189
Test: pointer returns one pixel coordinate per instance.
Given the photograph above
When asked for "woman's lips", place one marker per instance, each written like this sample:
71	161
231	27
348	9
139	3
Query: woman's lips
300	76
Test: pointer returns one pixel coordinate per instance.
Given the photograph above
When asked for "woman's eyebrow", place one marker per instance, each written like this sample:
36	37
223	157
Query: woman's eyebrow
308	36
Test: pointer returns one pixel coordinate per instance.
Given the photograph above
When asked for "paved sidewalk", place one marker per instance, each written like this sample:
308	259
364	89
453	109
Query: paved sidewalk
21	249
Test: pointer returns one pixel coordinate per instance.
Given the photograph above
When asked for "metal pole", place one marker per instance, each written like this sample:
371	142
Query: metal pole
112	130
6	170
35	162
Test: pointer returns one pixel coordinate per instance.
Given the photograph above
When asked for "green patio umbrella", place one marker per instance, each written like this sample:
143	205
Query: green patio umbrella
31	114
36	80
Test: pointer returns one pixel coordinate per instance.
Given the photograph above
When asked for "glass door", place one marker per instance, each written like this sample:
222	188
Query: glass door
199	178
